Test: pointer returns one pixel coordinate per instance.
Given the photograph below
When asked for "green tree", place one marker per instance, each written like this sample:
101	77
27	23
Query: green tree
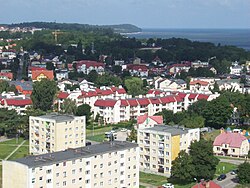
244	173
50	66
92	76
183	168
168	115
203	159
43	94
193	121
216	87
134	86
132	136
68	106
117	69
217	112
84	110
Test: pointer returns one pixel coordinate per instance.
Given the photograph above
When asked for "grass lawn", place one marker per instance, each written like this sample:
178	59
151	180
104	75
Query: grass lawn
234	158
6	150
141	186
20	153
212	135
243	186
227	168
96	138
13	141
97	131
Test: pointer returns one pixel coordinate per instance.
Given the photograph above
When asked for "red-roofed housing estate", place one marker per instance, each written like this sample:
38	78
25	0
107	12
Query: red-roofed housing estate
231	144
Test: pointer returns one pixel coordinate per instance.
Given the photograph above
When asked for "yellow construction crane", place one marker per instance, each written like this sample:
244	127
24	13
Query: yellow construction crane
56	33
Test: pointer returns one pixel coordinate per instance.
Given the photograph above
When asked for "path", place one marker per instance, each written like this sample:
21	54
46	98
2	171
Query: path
148	185
232	161
6	158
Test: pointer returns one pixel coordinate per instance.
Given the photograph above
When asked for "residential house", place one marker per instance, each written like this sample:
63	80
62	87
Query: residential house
62	74
8	76
137	69
87	66
177	68
198	63
146	121
38	75
230	84
199	86
231	144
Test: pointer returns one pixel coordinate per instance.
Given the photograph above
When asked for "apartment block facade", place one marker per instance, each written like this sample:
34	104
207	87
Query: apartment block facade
109	164
54	132
160	145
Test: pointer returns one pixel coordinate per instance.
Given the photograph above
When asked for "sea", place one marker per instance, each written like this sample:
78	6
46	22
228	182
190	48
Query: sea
234	37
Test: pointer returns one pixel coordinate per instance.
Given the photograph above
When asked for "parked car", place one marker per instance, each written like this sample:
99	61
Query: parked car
234	172
167	185
88	143
221	177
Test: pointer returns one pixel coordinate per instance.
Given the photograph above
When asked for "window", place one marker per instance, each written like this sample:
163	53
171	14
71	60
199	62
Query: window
87	181
74	162
109	172
74	180
122	181
64	174
122	164
87	172
122	155
41	168
218	148
64	183
64	163
101	183
109	164
101	175
128	176
95	166
49	181
57	174
134	174
57	184
33	170
233	150
73	171
80	169
33	180
95	175
49	171
101	165
109	182
122	172
80	179
41	178
87	163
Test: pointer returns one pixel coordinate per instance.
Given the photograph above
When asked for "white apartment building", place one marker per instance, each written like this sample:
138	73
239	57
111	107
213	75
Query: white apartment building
106	165
54	132
160	145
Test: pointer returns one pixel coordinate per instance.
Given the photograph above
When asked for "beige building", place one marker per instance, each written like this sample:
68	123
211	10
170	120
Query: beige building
107	165
54	132
161	144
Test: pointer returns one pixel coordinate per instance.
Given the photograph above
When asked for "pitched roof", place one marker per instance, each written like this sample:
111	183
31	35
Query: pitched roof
9	75
202	96
211	184
167	99
200	82
192	96
132	102
124	102
182	95
17	102
137	67
105	103
143	101
63	95
48	73
143	118
155	101
121	91
233	139
89	63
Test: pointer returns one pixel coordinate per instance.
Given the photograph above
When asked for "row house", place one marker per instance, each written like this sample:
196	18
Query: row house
230	84
87	66
20	105
114	111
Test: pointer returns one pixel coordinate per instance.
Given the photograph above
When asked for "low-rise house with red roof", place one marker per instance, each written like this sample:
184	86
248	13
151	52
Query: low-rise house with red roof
199	86
137	70
8	76
86	66
38	75
33	68
231	144
146	121
207	184
23	87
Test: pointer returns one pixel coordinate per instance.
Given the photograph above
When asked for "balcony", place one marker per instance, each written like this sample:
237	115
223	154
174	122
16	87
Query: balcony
161	162
146	137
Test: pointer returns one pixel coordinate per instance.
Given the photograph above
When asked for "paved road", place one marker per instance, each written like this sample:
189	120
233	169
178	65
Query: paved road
233	161
229	182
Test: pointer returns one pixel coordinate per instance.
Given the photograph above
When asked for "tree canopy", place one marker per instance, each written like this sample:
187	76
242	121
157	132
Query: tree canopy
134	86
43	94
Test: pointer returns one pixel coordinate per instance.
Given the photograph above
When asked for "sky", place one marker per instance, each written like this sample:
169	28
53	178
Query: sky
142	13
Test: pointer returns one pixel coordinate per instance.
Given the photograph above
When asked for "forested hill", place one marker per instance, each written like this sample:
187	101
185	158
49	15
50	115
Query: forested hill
120	28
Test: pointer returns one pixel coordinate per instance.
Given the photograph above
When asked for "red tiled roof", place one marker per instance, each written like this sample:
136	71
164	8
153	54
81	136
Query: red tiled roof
48	73
105	103
156	92
178	98
142	119
9	75
107	92
192	96
121	91
202	96
179	65
203	83
167	99
132	102
155	100
143	102
124	102
17	102
212	184
137	67
233	139
89	63
91	94
63	95
36	68
182	95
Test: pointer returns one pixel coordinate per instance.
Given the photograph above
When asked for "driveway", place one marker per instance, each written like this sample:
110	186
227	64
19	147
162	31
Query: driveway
229	182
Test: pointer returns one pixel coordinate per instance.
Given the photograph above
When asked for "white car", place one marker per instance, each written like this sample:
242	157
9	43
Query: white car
123	130
168	185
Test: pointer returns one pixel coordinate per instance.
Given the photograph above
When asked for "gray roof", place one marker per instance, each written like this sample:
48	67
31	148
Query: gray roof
173	130
58	117
71	154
